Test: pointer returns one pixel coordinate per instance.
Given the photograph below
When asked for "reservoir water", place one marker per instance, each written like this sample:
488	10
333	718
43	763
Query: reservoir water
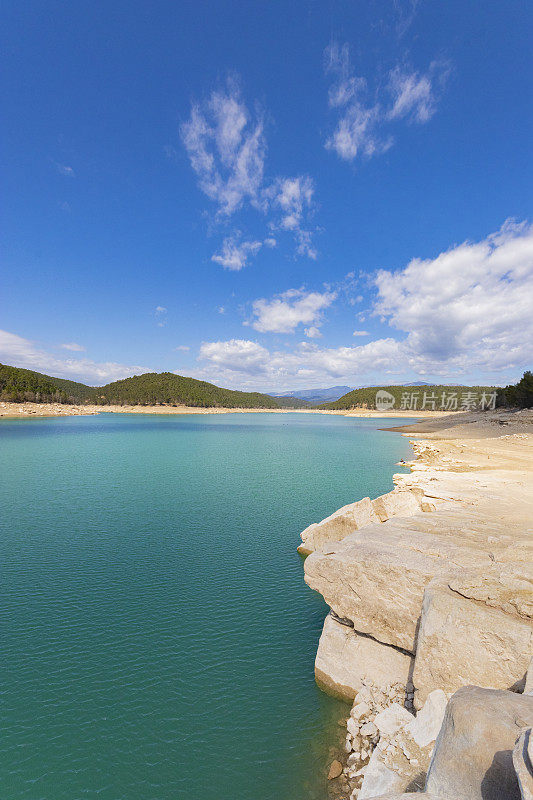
158	638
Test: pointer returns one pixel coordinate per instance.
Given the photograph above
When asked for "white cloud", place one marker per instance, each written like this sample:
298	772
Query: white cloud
284	312
294	198
160	310
227	148
361	126
182	347
468	306
234	255
313	332
236	355
247	364
77	348
414	94
464	315
19	352
361	333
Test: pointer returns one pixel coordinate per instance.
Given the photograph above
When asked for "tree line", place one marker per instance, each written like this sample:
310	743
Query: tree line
19	385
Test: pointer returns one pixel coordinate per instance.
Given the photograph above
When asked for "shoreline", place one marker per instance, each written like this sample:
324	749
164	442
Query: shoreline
430	589
9	410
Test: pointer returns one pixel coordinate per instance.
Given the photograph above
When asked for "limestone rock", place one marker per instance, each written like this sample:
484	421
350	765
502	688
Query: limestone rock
376	577
473	752
345	659
425	727
335	527
405	746
398	503
466	641
390	720
507	587
335	770
523	763
378	779
401	502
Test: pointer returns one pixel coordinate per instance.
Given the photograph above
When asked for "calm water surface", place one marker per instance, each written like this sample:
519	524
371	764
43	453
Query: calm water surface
158	637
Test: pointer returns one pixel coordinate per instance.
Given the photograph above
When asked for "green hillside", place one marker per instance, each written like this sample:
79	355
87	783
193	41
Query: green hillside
293	402
18	384
165	387
411	398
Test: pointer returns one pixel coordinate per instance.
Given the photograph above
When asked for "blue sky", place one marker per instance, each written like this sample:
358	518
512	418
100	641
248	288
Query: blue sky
268	195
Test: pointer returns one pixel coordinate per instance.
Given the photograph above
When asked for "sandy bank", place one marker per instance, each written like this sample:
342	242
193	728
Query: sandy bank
22	410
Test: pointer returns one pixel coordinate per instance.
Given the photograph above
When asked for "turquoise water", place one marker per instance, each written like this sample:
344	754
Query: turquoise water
158	637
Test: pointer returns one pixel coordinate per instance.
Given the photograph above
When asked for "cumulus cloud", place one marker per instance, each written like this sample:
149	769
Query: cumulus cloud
19	352
236	355
247	364
234	254
284	312
361	128
227	149
77	348
467	312
313	332
468	306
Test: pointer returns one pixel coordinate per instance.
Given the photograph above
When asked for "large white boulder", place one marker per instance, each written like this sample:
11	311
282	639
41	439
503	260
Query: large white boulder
376	577
400	502
478	633
345	659
473	758
335	527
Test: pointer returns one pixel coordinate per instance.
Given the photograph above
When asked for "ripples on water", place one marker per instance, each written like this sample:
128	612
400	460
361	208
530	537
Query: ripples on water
159	638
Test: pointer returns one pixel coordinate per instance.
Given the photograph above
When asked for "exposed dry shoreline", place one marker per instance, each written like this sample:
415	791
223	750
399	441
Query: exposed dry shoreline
22	410
430	589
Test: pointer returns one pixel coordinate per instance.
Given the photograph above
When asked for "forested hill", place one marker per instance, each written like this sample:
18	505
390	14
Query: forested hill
17	384
171	389
413	398
23	384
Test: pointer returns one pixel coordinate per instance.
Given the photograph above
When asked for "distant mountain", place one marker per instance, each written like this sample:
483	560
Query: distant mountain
315	395
165	388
